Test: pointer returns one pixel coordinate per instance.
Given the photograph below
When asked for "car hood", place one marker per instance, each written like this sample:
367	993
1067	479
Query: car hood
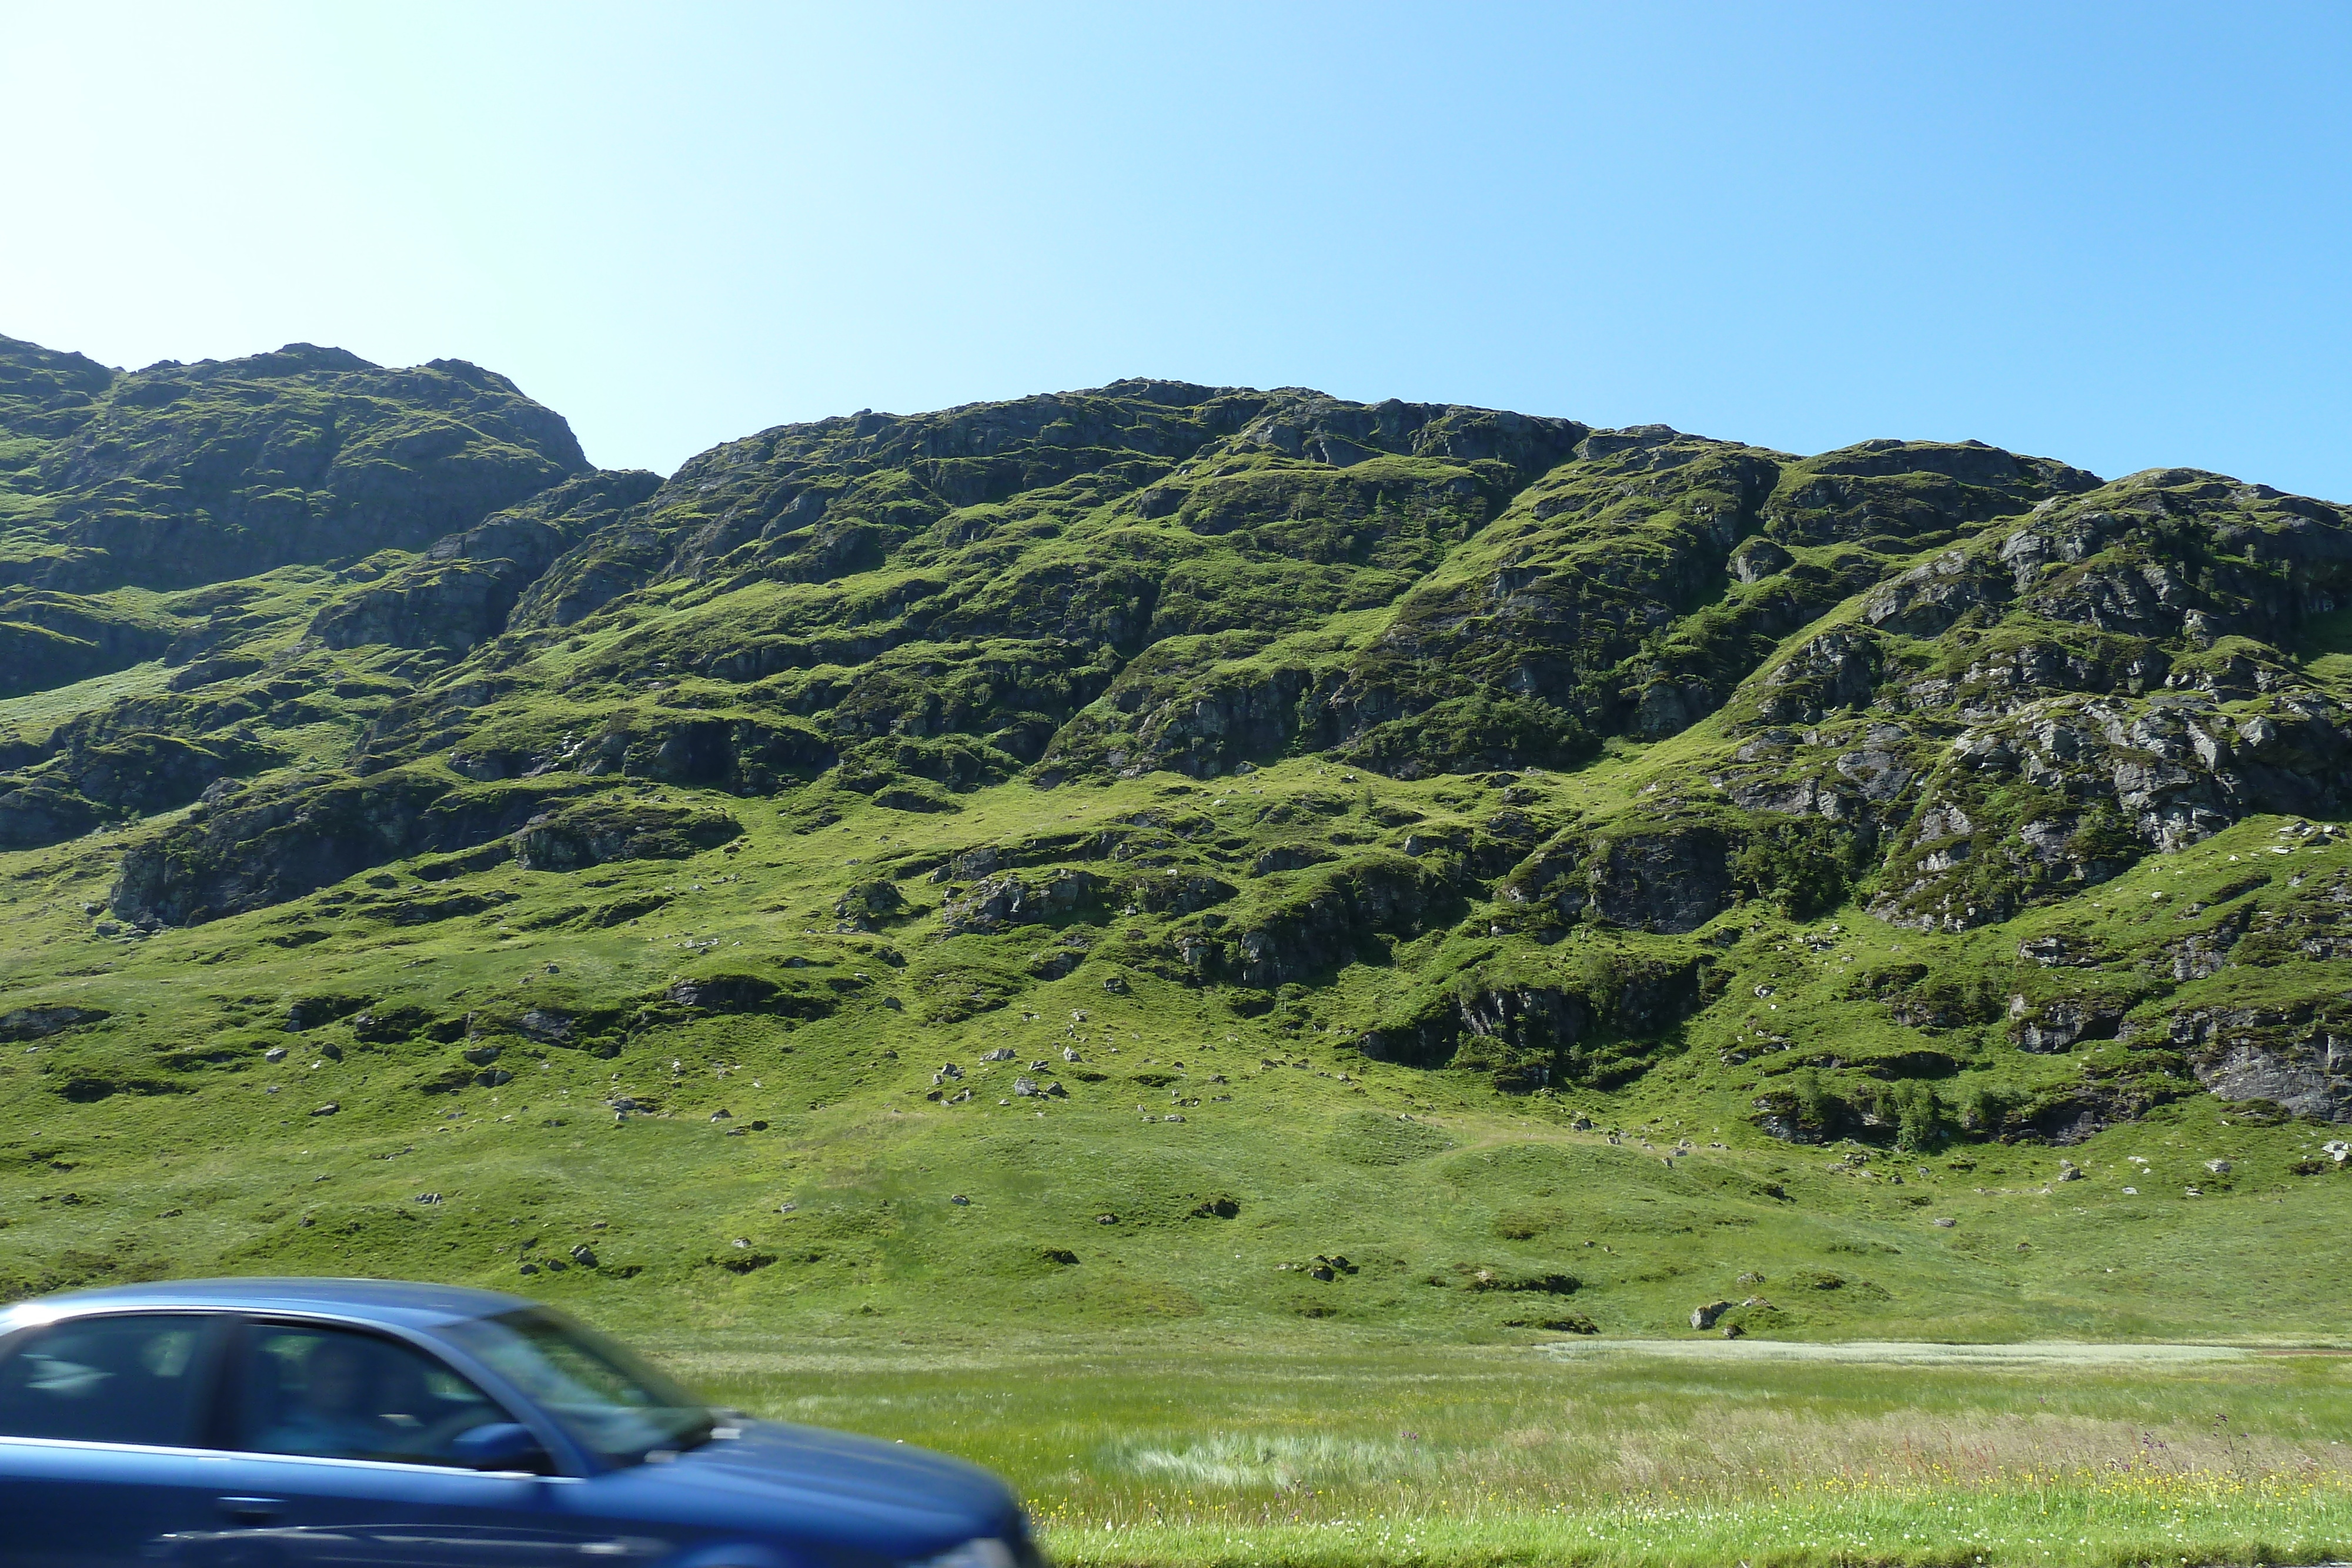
832	1486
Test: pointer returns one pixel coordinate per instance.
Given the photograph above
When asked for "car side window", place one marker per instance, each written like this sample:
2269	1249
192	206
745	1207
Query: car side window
337	1394
126	1379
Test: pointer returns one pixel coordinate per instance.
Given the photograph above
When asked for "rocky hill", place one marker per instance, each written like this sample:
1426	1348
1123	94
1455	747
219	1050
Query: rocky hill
1915	795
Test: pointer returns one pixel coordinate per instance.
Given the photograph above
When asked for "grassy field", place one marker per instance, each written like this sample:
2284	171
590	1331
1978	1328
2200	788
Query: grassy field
1369	1452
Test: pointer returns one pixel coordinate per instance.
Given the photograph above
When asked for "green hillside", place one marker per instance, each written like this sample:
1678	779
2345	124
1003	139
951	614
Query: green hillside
1163	858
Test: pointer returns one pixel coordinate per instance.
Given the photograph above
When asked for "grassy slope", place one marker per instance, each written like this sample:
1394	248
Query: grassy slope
202	1155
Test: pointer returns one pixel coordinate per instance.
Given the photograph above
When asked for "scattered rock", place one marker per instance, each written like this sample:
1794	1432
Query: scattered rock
549	1025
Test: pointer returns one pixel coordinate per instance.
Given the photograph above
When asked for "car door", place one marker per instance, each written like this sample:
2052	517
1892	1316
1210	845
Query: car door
349	1448
99	1419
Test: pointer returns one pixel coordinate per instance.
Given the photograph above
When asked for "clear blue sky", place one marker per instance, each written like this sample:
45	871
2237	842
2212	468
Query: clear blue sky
2117	235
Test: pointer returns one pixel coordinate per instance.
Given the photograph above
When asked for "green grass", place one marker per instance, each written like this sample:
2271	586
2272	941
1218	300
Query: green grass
29	718
1214	1450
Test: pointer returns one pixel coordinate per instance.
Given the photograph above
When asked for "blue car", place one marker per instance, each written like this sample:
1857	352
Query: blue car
284	1423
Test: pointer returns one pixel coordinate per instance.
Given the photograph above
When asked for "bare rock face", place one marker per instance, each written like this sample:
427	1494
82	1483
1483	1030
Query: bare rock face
868	903
1536	1032
468	583
1174	891
2298	1058
1928	600
1674	881
2057	1026
1758	558
1002	902
303	455
1326	924
1671	873
273	843
596	832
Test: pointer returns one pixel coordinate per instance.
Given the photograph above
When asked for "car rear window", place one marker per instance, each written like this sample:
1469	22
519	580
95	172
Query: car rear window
129	1379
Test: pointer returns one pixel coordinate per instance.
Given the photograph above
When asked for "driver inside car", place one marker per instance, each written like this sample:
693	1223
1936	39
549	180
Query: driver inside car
334	1394
336	1410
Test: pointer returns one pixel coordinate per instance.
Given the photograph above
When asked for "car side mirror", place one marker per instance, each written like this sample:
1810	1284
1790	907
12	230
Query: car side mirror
502	1446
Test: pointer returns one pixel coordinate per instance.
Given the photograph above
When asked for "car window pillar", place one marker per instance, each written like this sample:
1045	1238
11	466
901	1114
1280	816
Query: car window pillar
213	1372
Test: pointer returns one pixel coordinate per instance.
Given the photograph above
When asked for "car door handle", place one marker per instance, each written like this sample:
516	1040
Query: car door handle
252	1509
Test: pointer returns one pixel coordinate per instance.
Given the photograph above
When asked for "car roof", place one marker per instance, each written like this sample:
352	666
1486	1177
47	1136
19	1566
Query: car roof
402	1302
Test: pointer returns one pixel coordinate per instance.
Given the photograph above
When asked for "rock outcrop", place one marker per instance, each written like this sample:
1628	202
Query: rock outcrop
181	474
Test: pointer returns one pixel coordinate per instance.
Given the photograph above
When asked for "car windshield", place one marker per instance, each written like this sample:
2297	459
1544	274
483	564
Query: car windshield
611	1402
